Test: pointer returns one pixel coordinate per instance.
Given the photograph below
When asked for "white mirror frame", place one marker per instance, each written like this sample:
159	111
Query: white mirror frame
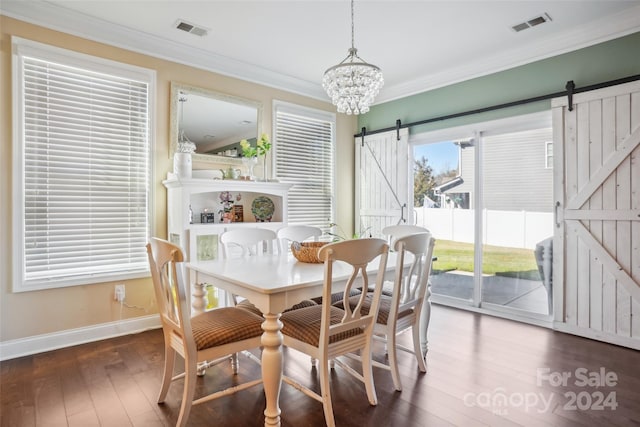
176	89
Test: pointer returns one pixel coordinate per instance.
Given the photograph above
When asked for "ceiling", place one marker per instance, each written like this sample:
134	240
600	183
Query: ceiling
419	45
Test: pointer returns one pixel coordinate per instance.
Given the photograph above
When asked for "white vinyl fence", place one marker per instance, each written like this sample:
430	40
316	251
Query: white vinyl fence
512	229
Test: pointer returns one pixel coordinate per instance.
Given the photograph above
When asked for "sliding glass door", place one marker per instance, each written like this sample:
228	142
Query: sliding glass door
517	222
486	195
442	203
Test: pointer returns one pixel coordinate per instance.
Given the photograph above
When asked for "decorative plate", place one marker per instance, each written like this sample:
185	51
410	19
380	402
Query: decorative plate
263	208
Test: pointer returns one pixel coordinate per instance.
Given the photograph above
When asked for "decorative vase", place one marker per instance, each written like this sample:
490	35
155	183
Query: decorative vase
249	163
182	165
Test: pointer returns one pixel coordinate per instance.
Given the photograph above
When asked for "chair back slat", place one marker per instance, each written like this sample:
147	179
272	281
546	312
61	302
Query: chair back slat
359	272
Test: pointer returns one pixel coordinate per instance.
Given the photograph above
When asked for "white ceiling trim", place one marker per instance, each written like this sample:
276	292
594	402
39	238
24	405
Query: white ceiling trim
599	31
69	21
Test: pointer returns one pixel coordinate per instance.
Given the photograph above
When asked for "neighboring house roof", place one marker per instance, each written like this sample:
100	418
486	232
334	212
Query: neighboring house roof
448	185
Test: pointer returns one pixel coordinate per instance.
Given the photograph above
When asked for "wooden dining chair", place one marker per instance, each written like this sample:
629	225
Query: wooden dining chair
251	242
296	233
402	310
212	335
247	241
325	332
394	232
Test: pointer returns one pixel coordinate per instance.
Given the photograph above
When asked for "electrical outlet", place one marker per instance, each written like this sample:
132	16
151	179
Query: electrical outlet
118	294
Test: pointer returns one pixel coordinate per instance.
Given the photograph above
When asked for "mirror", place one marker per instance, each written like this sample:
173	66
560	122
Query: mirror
214	122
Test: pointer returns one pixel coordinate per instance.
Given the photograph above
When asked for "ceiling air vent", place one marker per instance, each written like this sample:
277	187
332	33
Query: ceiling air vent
531	22
191	28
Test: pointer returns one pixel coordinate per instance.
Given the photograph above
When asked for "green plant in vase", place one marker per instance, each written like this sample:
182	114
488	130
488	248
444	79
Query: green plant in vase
251	154
263	145
249	157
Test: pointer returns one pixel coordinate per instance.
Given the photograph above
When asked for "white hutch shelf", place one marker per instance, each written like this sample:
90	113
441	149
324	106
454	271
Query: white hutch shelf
199	238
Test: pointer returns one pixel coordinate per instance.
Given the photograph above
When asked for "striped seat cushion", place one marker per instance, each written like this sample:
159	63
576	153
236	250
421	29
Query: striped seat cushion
383	311
387	288
337	296
304	325
224	326
247	305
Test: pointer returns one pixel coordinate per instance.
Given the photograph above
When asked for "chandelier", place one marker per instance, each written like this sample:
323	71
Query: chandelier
353	83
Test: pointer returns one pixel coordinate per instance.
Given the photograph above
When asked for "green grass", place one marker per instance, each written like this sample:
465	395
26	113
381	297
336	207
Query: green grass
498	260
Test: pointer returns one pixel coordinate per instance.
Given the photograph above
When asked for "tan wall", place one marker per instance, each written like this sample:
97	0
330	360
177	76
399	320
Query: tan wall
40	312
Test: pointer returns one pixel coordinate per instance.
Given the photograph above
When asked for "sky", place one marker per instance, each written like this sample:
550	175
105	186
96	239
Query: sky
441	156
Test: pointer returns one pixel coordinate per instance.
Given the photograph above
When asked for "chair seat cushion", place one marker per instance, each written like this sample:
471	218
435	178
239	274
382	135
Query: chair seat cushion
387	288
223	326
304	325
383	312
337	296
247	305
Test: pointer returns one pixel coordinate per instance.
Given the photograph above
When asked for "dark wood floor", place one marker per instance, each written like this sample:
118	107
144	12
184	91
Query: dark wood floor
482	371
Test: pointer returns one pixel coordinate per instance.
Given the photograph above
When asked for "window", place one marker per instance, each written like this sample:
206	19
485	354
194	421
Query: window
81	168
304	146
548	155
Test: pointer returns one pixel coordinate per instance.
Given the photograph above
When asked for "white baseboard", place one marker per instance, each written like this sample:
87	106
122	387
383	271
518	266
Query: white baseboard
46	342
629	342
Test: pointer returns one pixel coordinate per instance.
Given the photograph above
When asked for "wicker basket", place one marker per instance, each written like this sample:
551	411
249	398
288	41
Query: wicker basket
307	251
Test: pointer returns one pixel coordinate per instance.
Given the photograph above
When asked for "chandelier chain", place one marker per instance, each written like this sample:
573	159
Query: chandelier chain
353	44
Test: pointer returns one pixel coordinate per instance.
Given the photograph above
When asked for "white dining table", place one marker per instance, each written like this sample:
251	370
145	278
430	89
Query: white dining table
272	283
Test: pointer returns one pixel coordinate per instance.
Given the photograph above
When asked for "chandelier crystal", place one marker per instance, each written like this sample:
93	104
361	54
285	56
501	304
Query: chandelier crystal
353	84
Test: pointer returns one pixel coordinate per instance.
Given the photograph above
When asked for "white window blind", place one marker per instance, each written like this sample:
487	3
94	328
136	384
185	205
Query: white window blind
82	169
304	147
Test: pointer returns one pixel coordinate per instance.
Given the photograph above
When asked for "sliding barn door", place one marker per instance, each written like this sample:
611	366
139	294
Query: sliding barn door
597	191
382	183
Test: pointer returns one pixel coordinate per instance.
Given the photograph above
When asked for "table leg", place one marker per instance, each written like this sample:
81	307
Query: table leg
199	303
198	306
272	366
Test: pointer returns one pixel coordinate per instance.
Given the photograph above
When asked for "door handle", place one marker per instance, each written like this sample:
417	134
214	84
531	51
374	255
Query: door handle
402	218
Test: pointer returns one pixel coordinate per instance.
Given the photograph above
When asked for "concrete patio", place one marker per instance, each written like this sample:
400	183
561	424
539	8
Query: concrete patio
528	295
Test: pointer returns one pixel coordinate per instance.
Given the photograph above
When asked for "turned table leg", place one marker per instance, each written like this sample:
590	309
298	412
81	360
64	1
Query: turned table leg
272	366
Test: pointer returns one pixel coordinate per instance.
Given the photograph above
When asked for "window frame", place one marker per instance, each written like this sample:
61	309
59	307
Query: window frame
548	158
28	48
314	114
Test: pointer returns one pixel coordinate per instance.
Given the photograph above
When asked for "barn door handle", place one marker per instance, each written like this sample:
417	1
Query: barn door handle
555	214
402	218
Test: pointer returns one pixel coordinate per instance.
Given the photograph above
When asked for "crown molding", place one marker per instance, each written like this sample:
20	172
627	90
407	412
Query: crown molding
602	30
71	22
